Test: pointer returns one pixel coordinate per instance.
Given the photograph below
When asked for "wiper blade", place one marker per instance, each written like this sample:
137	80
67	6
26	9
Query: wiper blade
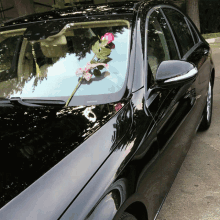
17	101
5	102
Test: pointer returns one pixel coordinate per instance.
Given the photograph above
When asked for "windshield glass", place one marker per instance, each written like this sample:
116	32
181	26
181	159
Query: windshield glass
95	52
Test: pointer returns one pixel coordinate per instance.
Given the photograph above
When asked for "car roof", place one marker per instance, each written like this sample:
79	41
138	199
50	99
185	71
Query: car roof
76	11
86	10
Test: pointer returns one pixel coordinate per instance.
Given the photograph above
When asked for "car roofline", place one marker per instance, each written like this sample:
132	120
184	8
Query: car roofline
85	12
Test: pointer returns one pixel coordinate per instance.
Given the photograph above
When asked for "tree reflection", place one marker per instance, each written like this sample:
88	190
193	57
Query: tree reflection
82	43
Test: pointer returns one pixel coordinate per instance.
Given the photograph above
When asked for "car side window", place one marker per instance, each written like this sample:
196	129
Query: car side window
180	29
160	44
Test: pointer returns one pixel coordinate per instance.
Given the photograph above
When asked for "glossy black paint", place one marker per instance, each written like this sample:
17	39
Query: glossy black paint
88	11
111	161
172	68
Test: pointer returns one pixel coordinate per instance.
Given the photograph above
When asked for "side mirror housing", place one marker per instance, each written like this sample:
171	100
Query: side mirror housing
175	73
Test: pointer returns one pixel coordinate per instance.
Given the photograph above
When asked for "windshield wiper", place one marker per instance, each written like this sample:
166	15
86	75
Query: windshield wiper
17	101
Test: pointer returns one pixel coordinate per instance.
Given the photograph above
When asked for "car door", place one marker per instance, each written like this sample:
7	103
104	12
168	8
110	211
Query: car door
194	50
171	108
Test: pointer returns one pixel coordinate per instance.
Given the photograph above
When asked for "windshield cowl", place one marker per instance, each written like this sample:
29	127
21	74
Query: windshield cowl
34	103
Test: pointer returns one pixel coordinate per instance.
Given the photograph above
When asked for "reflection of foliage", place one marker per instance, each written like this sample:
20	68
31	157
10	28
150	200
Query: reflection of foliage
62	4
7	50
59	4
154	43
132	126
122	126
82	44
11	84
210	10
68	3
181	30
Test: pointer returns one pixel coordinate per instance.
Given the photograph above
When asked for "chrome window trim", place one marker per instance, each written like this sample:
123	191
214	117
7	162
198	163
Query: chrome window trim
171	31
186	20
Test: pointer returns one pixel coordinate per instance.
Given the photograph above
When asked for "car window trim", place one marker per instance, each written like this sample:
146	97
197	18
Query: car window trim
193	30
171	31
184	16
147	87
189	52
186	20
146	66
162	39
177	40
184	57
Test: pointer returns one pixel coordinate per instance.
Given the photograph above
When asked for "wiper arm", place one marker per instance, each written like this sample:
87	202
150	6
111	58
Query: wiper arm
17	101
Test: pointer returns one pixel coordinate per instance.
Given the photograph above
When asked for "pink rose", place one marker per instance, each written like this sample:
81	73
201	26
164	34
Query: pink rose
109	37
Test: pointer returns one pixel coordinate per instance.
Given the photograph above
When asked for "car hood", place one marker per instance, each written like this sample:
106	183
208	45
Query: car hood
49	154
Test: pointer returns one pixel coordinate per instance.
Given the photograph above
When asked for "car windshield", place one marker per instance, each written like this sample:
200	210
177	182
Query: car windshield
97	52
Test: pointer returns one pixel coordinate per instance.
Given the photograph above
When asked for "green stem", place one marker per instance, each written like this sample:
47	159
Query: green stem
74	91
93	58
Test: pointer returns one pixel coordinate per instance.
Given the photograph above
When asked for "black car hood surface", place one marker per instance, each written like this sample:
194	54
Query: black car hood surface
34	140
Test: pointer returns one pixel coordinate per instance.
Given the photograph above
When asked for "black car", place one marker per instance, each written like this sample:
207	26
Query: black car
99	105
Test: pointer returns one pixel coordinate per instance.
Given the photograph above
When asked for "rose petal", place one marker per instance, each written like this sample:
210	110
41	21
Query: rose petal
109	37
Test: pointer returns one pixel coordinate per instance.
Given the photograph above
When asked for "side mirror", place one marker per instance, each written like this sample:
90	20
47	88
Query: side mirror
175	73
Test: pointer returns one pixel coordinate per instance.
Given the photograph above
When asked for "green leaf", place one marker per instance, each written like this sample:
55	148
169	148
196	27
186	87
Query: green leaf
97	72
100	67
103	42
106	60
100	56
96	47
105	51
92	61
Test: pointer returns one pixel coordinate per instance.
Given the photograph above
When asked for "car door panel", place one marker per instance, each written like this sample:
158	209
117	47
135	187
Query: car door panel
172	109
193	103
139	174
201	58
170	117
